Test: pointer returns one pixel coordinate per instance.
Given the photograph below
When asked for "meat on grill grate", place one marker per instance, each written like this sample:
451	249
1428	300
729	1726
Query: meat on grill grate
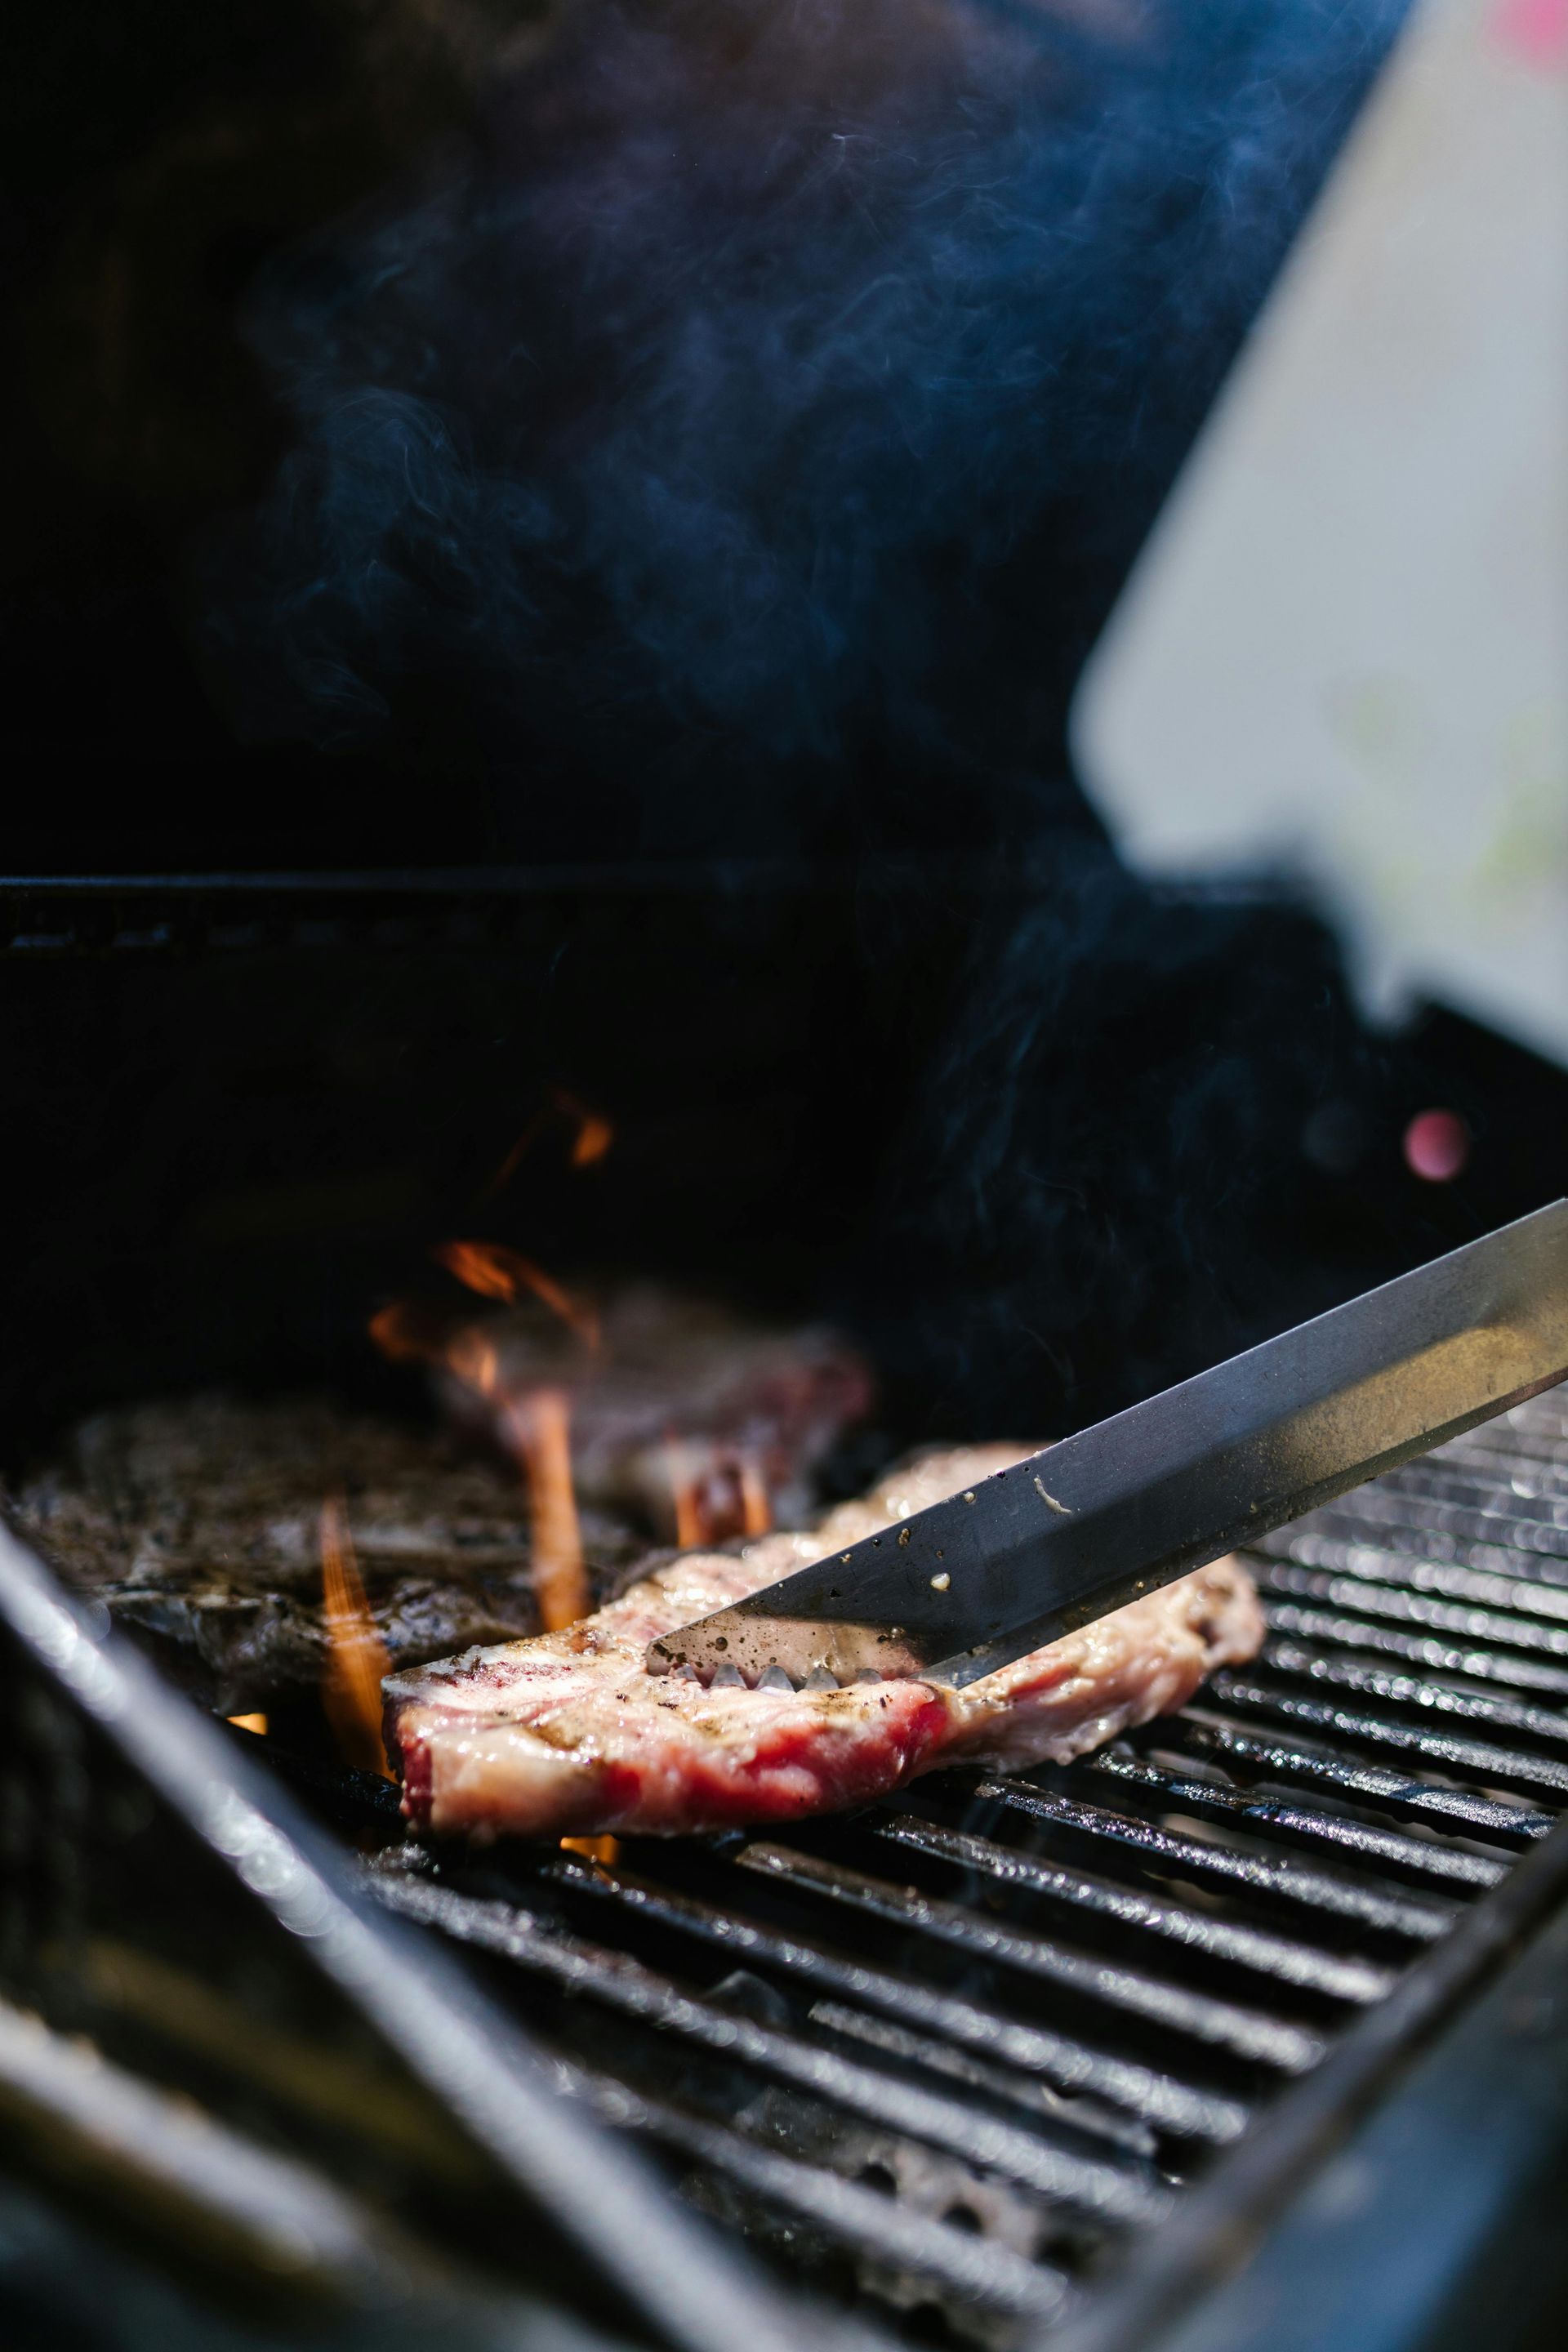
569	1733
956	2053
197	1523
955	2059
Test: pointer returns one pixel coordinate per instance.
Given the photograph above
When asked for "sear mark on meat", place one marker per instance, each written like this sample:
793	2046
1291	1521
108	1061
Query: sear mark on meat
569	1735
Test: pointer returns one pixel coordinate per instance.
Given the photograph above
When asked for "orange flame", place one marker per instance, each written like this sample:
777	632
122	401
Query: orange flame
687	1492
592	1140
537	1424
715	1494
494	1271
607	1849
471	1356
542	1422
405	1333
756	1504
513	1161
480	1265
542	1425
594	1134
248	1723
356	1657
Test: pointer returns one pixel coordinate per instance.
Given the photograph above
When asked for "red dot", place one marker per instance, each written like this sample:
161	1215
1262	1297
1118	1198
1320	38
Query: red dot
1437	1146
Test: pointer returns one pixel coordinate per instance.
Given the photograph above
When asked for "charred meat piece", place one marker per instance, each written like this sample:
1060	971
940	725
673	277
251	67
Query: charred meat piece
685	1417
198	1524
570	1735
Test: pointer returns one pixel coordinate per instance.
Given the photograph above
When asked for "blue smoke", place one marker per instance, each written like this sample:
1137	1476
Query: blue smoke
709	408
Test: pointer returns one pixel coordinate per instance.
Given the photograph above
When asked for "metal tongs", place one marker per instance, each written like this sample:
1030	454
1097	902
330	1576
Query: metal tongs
1120	1510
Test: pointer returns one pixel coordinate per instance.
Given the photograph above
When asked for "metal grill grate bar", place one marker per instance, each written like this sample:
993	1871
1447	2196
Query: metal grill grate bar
1543	1496
1093	2187
984	2275
1159	2101
1517	1601
1480	1539
1456	1811
1532	1459
1280	1878
1356	1840
1013	2090
1329	1628
1255	1949
1396	1612
1437	1751
1433	1696
1249	2035
1504	1453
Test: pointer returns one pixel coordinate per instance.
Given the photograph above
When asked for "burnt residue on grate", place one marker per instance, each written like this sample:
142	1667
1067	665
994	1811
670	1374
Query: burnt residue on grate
949	2059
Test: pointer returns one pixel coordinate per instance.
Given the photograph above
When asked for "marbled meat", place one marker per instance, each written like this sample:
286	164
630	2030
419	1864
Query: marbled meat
569	1735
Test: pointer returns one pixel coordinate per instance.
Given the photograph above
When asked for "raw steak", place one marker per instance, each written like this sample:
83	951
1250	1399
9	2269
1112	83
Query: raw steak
569	1734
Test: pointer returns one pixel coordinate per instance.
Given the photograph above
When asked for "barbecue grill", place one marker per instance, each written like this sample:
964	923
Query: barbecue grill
1187	2043
1245	2033
1190	2035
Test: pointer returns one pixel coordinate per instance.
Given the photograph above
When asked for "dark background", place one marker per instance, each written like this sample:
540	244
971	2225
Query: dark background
305	571
190	200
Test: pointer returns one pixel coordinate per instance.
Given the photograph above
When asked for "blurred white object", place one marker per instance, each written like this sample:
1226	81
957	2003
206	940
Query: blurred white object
1344	651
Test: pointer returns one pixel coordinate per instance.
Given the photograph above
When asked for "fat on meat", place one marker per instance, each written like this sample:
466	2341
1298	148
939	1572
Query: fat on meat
568	1735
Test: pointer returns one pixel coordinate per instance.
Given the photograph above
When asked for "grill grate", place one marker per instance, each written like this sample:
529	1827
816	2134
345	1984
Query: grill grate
949	2058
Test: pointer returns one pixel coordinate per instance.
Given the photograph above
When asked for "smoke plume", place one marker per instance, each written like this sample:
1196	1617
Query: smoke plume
766	394
733	446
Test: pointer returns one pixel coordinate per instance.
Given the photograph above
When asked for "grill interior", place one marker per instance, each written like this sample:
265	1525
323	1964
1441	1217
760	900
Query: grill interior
949	2060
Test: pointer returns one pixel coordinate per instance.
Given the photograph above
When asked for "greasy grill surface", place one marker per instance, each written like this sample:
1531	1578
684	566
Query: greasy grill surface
945	2058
